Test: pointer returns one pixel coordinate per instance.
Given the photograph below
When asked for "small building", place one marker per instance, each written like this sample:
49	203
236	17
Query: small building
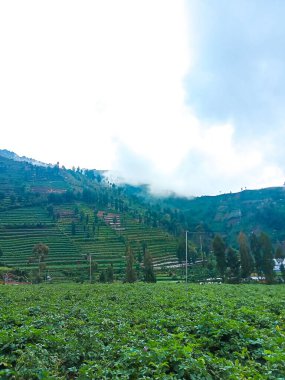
278	263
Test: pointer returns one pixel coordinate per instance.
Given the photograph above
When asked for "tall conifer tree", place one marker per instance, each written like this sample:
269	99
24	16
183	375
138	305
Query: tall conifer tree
233	263
246	259
149	275
267	264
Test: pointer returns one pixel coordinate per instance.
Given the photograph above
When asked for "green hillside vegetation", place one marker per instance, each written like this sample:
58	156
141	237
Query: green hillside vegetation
91	225
249	211
228	214
76	215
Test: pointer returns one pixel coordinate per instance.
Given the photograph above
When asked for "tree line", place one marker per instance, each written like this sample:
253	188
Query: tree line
254	256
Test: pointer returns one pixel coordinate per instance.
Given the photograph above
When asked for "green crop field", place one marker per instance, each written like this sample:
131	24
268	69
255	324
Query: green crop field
140	331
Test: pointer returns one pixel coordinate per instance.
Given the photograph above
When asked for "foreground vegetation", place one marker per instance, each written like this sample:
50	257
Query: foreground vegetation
140	331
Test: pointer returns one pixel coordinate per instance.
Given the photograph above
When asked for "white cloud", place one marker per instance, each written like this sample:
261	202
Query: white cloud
102	84
211	163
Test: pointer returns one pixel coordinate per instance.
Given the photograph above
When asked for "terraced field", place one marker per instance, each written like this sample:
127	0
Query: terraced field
24	216
75	218
22	228
108	245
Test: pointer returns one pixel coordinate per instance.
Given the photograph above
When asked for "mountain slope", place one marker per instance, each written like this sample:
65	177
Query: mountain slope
75	215
79	213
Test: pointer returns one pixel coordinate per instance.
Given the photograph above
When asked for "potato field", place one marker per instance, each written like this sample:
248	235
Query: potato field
142	331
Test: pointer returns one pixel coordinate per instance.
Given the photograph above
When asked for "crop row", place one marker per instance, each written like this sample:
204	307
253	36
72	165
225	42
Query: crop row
161	331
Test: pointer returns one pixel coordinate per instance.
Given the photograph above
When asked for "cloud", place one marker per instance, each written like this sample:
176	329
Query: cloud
239	66
213	164
175	94
229	95
77	76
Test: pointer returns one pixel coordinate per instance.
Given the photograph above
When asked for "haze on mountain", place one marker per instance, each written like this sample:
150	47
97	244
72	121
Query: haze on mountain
186	96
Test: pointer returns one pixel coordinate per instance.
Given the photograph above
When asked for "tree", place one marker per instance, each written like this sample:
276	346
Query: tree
267	264
40	252
279	254
233	263
139	257
219	248
192	253
256	252
246	260
282	270
181	250
110	273
103	276
144	247
130	272
211	266
202	239
149	275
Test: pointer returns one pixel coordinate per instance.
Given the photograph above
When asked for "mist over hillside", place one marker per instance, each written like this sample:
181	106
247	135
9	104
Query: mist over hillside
81	211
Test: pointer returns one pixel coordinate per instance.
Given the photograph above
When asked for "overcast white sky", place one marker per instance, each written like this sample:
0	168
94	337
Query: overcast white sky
185	95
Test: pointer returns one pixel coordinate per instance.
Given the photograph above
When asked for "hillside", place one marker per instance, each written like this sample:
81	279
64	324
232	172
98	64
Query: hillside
228	214
79	213
75	214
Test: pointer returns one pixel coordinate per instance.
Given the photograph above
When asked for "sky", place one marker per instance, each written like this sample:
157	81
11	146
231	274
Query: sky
184	95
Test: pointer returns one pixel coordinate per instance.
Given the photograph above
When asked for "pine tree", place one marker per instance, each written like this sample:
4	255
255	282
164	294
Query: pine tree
246	260
139	257
130	272
144	247
219	248
103	276
267	264
110	273
279	253
181	248
40	252
282	270
149	275
233	263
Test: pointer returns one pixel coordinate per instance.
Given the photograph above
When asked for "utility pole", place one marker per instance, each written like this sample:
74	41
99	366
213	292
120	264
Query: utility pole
201	249
89	257
90	268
